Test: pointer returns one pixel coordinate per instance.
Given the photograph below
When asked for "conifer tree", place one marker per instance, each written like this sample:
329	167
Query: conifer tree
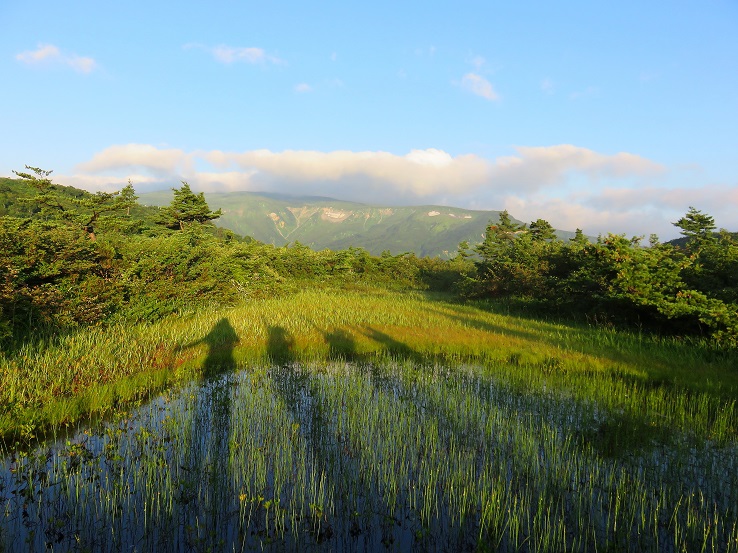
498	237
127	198
82	212
540	230
187	208
697	226
579	238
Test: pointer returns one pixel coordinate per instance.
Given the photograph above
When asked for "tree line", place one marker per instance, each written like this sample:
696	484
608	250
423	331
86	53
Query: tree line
686	289
69	258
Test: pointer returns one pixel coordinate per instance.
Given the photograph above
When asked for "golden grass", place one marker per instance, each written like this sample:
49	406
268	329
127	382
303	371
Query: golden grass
95	369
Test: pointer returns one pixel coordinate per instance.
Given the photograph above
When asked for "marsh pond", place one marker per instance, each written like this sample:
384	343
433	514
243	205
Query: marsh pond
348	456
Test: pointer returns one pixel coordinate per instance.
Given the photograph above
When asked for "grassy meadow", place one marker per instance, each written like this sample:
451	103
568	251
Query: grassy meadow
363	419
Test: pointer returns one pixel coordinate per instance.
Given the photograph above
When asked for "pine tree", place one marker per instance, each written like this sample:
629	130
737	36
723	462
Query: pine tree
579	238
187	208
82	212
127	198
697	226
498	237
541	229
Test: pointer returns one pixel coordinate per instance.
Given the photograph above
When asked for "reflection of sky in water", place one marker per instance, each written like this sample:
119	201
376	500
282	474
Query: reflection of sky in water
342	456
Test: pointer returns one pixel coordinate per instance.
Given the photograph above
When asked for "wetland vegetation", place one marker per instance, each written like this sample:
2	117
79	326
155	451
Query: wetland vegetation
170	386
365	419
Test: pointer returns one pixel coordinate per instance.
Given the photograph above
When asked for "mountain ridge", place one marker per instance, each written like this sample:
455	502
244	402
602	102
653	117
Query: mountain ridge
321	222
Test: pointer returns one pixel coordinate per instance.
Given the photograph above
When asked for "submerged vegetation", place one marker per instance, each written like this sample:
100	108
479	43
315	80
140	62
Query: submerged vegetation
369	456
167	385
370	418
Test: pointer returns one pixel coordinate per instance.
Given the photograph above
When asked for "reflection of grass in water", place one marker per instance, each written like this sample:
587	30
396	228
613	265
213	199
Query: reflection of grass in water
389	454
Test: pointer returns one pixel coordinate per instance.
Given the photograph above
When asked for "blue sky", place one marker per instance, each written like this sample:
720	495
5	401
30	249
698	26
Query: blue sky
610	117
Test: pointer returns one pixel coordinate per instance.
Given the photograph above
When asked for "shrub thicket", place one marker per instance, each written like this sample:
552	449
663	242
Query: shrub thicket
689	289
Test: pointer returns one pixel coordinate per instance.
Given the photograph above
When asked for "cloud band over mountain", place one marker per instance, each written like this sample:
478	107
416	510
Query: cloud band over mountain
622	192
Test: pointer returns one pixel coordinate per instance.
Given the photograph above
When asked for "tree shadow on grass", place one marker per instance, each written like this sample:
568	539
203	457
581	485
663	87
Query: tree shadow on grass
341	345
221	341
280	345
660	365
624	431
392	346
656	369
208	445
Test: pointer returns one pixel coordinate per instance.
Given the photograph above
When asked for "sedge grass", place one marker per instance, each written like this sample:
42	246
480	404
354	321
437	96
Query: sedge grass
372	455
376	416
97	369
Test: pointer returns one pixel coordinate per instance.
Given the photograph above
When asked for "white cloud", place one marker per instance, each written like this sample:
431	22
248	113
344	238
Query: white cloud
476	84
567	214
43	52
109	183
367	176
419	173
227	54
48	54
640	220
633	211
534	182
536	167
233	54
430	157
303	87
547	86
130	156
712	198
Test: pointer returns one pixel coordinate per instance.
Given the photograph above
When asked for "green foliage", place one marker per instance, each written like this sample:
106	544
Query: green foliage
187	208
515	260
18	199
11	190
127	198
82	211
542	230
690	290
52	276
498	238
579	239
697	226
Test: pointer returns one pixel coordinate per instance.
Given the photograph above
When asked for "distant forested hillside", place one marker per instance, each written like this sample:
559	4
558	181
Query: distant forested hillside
319	223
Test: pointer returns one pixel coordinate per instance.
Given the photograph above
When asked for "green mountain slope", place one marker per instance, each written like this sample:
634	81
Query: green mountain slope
334	224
